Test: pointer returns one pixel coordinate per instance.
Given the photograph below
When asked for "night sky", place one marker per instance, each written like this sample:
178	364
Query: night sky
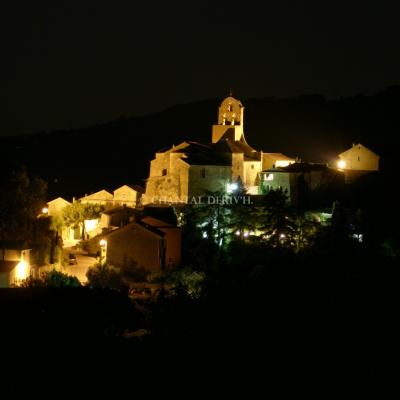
70	64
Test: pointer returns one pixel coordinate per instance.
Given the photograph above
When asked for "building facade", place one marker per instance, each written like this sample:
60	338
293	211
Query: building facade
193	169
358	158
14	262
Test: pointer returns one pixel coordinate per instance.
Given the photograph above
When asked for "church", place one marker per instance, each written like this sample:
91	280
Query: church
192	169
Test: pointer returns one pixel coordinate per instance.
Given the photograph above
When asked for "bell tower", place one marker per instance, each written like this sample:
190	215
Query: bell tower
230	120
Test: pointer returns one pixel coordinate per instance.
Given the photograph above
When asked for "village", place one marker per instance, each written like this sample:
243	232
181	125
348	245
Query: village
135	228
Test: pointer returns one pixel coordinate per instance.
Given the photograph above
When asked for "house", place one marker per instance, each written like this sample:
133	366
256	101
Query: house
55	209
192	169
300	180
148	244
101	197
128	195
173	237
56	206
115	217
14	262
358	158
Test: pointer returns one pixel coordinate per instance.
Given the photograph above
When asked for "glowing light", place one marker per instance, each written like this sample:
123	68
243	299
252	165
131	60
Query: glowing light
45	210
246	233
237	233
205	235
283	163
341	164
232	187
282	236
22	270
358	236
103	242
91	224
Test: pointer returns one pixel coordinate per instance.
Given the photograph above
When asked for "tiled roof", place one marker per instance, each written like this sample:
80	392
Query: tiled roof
219	153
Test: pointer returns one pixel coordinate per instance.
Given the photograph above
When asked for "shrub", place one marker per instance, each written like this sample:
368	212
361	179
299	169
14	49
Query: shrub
105	277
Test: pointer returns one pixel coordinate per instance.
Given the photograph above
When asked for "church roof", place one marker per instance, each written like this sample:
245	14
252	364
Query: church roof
201	154
219	153
227	145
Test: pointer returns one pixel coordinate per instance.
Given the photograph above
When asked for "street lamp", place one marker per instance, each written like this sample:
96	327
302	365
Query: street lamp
232	187
341	164
103	251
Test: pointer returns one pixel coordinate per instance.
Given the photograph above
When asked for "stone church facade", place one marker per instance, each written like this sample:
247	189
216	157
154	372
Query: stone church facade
193	169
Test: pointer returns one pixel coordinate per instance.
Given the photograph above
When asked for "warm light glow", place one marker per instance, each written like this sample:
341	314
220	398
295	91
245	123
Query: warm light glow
232	187
91	224
341	164
103	242
283	163
45	210
282	236
246	233
22	270
237	233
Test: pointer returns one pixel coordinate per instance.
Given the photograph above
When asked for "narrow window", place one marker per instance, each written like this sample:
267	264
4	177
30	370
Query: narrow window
203	173
358	158
164	172
252	166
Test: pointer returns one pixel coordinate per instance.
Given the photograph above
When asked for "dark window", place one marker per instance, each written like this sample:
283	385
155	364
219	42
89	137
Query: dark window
164	172
203	173
358	158
252	166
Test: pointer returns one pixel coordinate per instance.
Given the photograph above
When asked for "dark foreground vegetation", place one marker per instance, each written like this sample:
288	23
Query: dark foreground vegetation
317	325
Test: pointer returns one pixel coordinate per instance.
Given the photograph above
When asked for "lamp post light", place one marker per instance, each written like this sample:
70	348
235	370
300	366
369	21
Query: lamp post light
341	164
103	251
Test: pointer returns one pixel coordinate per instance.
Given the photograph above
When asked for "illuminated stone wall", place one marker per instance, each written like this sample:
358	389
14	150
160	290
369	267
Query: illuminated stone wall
230	115
360	158
238	167
125	195
208	178
168	179
251	170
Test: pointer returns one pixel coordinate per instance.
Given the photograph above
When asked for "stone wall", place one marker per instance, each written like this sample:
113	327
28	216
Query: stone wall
171	187
360	158
208	178
251	170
